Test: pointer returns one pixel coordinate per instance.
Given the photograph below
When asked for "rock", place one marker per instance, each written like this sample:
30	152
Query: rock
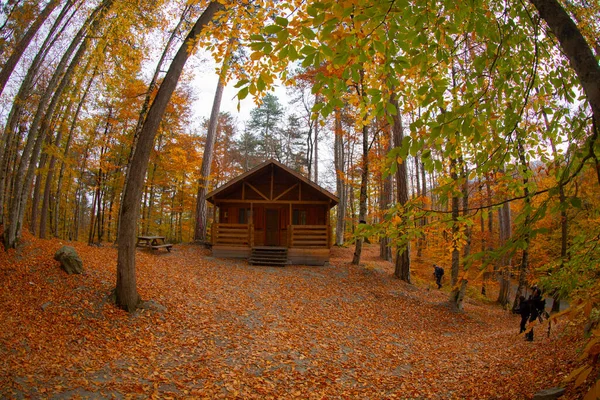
152	305
549	394
69	260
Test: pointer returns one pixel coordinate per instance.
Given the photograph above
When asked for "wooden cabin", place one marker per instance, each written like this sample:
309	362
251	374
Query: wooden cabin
272	215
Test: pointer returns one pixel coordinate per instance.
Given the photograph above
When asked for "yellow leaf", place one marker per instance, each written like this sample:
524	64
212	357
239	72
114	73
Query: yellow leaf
574	374
594	392
583	376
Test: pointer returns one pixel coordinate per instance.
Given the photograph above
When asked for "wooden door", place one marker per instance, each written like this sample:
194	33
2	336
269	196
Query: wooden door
271	227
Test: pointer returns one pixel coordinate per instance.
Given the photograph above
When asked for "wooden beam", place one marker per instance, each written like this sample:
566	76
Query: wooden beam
272	179
267	201
244	191
256	190
286	191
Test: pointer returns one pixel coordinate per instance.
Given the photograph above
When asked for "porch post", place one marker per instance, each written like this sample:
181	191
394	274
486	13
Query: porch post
327	217
290	228
251	224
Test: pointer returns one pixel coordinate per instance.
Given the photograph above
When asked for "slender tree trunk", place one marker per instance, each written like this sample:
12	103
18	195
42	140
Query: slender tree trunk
582	59
207	156
524	265
402	266
419	194
39	127
9	140
35	201
151	194
316	149
49	179
68	147
362	201
339	161
385	249
455	294
488	239
577	50
127	296
504	219
21	45
150	92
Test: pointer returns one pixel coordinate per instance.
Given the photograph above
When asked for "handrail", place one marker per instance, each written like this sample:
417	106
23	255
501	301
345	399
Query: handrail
309	236
232	235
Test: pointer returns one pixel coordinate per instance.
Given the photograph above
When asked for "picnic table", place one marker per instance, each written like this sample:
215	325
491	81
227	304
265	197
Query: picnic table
153	242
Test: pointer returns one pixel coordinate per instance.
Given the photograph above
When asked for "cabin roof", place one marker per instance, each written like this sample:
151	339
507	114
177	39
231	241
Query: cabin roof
211	197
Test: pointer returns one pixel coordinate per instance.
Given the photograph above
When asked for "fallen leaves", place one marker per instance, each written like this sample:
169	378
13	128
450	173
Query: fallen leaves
235	331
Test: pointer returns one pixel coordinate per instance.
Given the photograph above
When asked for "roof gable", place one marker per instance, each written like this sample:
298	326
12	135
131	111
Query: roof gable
256	185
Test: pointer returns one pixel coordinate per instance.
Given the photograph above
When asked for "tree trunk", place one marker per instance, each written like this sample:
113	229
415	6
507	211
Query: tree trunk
385	249
505	260
68	147
524	266
207	156
19	48
419	194
338	150
577	50
37	189
39	126
150	92
126	289
455	294
362	200
8	140
582	59
402	266
316	149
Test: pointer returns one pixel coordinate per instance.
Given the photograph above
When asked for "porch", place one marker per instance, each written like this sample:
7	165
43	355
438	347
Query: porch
305	244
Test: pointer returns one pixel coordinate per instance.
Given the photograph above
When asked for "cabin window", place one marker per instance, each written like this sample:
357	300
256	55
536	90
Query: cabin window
243	215
299	217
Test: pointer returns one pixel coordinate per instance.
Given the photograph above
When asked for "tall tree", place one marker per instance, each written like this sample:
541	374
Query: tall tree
582	59
362	199
127	296
9	140
21	45
402	266
340	178
207	156
264	120
39	127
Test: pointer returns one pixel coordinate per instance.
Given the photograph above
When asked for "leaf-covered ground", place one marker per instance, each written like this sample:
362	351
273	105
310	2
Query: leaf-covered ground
236	331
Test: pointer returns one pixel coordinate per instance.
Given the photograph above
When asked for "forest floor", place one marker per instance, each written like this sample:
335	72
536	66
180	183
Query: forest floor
224	329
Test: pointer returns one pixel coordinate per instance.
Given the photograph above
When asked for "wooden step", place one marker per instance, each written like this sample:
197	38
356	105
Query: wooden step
270	256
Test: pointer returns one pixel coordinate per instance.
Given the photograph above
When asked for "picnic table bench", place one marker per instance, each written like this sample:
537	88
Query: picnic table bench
153	242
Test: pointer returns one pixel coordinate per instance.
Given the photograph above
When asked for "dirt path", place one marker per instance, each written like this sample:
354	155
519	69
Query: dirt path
235	331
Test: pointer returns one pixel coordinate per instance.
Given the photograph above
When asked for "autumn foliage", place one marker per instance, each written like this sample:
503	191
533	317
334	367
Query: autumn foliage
229	330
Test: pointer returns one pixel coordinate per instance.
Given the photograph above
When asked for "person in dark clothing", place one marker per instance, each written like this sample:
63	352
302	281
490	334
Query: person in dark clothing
438	272
536	308
524	312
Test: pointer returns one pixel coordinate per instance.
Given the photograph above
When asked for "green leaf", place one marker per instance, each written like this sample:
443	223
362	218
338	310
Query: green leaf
241	83
260	84
576	202
281	21
391	109
243	93
272	29
307	50
308	33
